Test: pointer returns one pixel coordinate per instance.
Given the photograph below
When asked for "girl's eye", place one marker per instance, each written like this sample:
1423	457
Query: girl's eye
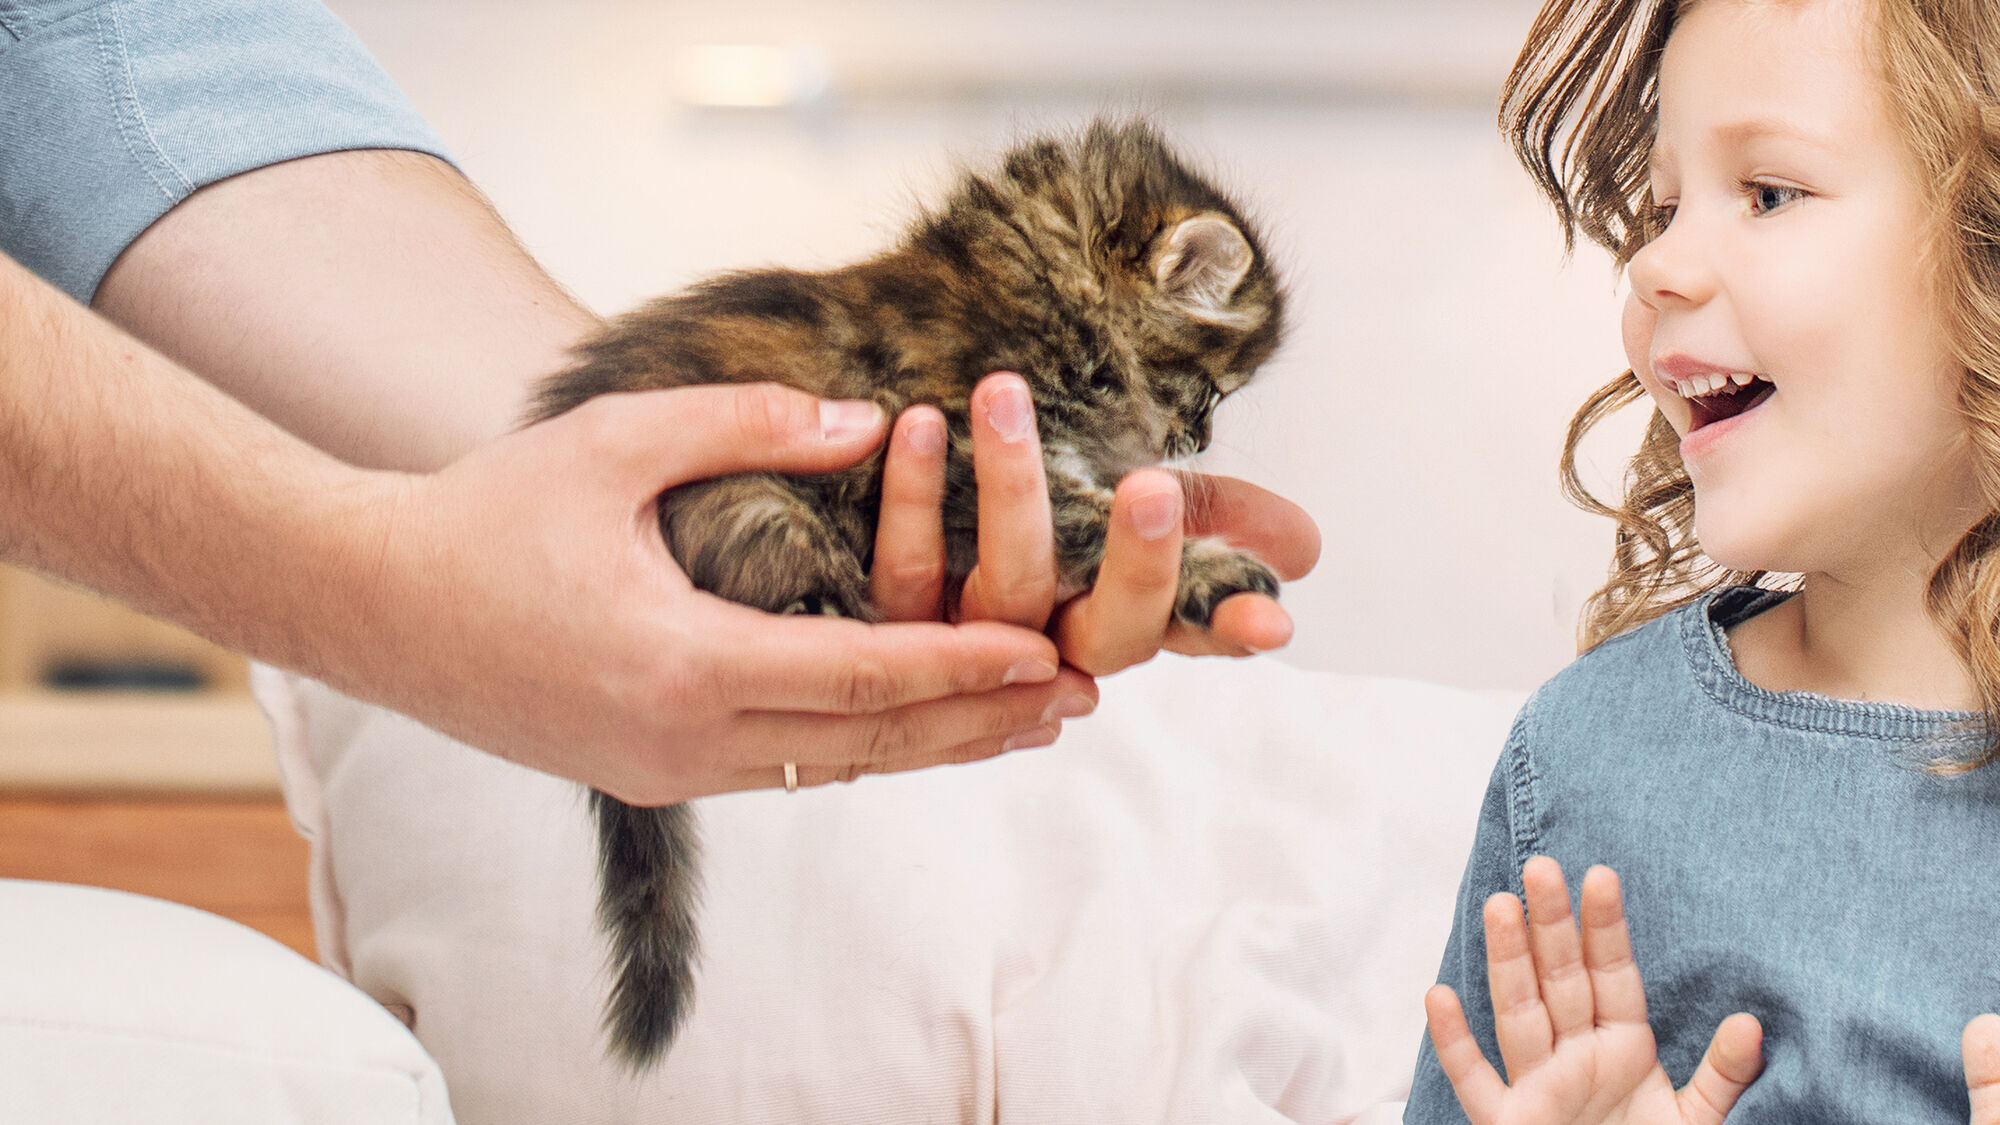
1766	198
1658	214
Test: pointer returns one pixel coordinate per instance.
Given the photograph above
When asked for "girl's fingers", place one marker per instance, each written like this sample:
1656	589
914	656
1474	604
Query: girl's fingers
1558	951
1620	995
906	579
1735	1057
1478	1086
1981	1044
1520	1021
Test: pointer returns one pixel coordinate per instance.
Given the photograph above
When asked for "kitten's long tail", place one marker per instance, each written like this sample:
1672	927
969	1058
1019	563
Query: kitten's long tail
646	879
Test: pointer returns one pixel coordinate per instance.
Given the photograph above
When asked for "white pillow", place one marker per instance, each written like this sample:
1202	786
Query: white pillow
1220	899
116	1008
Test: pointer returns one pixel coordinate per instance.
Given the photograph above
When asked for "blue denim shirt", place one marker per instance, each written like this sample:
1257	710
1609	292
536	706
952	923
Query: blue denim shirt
1784	854
113	111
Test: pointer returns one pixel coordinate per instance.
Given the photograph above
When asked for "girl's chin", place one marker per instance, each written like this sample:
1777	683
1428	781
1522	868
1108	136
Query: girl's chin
1730	544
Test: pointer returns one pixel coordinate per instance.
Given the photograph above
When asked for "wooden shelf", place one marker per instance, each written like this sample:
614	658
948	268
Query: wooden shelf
210	742
239	858
168	794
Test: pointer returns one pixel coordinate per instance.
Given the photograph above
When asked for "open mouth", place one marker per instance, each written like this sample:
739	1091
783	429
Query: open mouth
1714	398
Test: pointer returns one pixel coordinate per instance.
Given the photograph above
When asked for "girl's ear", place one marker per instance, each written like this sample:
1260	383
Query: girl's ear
1200	265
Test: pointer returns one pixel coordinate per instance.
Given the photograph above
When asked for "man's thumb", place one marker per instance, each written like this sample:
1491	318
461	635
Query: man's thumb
666	438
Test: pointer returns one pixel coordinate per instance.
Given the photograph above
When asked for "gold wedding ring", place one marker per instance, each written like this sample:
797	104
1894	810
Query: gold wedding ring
791	777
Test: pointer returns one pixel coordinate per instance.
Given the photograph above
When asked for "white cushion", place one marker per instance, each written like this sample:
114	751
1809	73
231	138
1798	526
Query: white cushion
116	1008
1220	899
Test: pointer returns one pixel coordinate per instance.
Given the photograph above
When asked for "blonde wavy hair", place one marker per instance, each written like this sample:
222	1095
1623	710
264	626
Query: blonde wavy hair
1581	106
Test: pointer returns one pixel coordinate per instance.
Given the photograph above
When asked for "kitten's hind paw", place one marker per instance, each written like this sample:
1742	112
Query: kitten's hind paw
1211	571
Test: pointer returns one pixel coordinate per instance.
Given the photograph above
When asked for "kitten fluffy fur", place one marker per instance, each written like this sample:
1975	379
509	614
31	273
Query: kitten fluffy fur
1129	293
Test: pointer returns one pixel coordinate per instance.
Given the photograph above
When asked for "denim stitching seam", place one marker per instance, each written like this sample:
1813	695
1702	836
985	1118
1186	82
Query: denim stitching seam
1521	785
1713	672
117	66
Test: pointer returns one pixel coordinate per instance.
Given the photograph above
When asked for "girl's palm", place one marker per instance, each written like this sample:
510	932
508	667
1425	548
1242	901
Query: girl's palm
1569	1012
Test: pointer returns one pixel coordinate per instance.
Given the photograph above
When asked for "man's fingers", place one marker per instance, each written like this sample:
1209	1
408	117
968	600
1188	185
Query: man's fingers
906	578
1478	1086
1520	1021
1123	620
1256	519
1015	579
1244	624
1565	986
761	661
1607	951
1735	1057
658	439
841	748
1981	1044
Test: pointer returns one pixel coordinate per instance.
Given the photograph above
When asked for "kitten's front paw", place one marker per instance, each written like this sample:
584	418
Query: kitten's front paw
1212	570
834	600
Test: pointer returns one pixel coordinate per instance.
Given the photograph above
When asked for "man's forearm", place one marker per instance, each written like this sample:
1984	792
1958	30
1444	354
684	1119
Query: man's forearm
123	472
370	302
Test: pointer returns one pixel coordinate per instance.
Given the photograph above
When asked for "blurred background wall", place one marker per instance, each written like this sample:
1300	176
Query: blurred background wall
1439	343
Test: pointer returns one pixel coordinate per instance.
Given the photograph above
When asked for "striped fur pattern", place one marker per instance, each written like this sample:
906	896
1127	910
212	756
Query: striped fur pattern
1128	292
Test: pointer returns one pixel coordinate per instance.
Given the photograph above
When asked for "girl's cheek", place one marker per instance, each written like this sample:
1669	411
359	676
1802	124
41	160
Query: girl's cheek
1636	326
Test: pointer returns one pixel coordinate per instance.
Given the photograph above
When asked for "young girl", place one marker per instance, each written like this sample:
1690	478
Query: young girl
1806	197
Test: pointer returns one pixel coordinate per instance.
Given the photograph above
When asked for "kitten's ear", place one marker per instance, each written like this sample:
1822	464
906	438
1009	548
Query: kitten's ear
1202	262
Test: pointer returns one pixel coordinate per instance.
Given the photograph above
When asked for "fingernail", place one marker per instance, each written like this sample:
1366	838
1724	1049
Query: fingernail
1030	739
926	436
1030	672
846	419
1011	412
1156	515
1069	707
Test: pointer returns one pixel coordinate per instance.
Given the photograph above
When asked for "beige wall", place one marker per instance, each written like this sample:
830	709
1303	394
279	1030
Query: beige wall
1439	343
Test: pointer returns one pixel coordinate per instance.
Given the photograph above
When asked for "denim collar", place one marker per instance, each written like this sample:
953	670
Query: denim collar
1703	638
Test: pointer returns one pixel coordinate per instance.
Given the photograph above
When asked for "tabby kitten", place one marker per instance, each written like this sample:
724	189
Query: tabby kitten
1127	291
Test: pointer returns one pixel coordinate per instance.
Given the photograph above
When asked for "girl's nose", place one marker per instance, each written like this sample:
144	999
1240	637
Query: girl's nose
1670	270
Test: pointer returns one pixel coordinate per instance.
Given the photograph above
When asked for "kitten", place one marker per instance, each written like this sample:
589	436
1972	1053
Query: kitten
1128	292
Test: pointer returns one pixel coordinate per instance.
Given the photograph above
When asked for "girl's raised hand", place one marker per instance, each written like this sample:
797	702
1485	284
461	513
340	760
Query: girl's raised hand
1570	1014
1982	1068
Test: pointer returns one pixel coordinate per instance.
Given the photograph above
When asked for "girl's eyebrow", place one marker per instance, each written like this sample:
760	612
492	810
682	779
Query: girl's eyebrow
1757	128
1741	133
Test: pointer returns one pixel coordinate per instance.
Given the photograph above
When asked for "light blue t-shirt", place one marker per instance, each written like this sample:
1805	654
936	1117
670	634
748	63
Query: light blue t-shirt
113	111
1784	854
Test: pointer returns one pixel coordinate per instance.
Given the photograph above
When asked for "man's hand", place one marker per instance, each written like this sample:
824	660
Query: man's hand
1569	1011
541	552
1128	616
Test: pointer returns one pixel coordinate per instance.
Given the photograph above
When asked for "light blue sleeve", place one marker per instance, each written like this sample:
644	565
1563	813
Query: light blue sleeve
1498	851
113	111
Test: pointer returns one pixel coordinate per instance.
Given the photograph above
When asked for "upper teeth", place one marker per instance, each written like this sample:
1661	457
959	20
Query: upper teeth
1694	386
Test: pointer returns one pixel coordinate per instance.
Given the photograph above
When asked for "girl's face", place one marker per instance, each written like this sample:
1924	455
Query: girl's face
1791	270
